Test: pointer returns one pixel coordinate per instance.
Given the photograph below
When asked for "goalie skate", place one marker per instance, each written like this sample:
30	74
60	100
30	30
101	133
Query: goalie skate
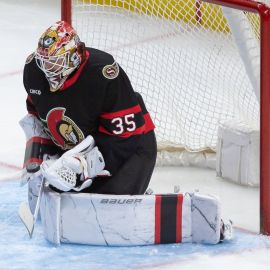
226	230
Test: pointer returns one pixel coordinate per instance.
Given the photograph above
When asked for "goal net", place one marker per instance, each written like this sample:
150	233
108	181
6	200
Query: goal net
183	58
197	65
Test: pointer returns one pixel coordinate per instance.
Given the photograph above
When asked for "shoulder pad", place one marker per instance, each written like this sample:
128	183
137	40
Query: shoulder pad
111	71
30	58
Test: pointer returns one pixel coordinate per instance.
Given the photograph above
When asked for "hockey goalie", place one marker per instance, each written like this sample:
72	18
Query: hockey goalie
88	131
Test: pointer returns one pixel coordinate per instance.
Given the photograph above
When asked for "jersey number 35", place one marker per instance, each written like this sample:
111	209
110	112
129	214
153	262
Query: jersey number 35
123	124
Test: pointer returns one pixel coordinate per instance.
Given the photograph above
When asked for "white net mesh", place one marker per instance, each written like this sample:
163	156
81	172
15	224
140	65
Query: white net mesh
181	56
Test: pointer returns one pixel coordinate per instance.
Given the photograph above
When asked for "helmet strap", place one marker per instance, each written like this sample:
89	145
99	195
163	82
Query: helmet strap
81	50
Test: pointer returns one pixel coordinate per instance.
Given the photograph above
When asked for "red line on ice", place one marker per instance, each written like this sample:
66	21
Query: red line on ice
10	166
11	73
146	40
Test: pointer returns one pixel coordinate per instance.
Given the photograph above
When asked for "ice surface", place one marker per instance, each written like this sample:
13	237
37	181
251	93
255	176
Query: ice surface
18	252
21	23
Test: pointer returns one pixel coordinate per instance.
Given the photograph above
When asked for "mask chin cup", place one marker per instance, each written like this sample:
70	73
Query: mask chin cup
56	83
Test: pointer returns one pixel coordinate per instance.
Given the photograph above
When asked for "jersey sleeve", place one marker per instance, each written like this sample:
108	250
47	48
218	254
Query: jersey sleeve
38	143
26	72
30	106
122	122
124	113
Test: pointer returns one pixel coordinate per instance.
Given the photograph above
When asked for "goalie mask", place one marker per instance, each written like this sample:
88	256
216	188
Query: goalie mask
59	53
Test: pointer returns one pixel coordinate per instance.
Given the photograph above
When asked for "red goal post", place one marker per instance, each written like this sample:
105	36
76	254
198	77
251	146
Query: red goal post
264	13
66	12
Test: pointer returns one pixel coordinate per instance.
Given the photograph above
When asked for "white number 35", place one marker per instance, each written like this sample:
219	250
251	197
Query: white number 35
125	123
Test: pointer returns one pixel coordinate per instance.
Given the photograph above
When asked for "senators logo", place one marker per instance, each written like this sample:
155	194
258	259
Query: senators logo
63	131
111	71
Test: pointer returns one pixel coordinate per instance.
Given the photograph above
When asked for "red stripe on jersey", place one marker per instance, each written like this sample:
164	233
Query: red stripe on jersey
75	77
39	140
33	113
126	134
111	115
29	99
149	125
30	106
179	218
32	160
157	218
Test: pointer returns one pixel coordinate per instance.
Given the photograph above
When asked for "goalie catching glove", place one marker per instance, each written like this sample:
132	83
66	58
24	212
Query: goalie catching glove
76	168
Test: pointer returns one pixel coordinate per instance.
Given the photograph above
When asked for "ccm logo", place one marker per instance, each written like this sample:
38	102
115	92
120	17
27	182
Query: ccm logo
34	91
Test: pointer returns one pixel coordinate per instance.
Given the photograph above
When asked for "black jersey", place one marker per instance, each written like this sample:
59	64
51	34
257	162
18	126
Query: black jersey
97	99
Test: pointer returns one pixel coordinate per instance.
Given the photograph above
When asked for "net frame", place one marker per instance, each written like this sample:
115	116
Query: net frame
264	13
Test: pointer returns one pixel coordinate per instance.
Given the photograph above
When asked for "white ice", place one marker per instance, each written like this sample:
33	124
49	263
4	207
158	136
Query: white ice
21	23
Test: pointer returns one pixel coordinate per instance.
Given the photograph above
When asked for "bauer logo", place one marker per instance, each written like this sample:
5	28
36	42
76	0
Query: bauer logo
120	201
35	92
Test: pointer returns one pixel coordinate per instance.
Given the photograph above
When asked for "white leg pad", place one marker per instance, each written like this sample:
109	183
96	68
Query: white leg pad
206	218
128	220
50	215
